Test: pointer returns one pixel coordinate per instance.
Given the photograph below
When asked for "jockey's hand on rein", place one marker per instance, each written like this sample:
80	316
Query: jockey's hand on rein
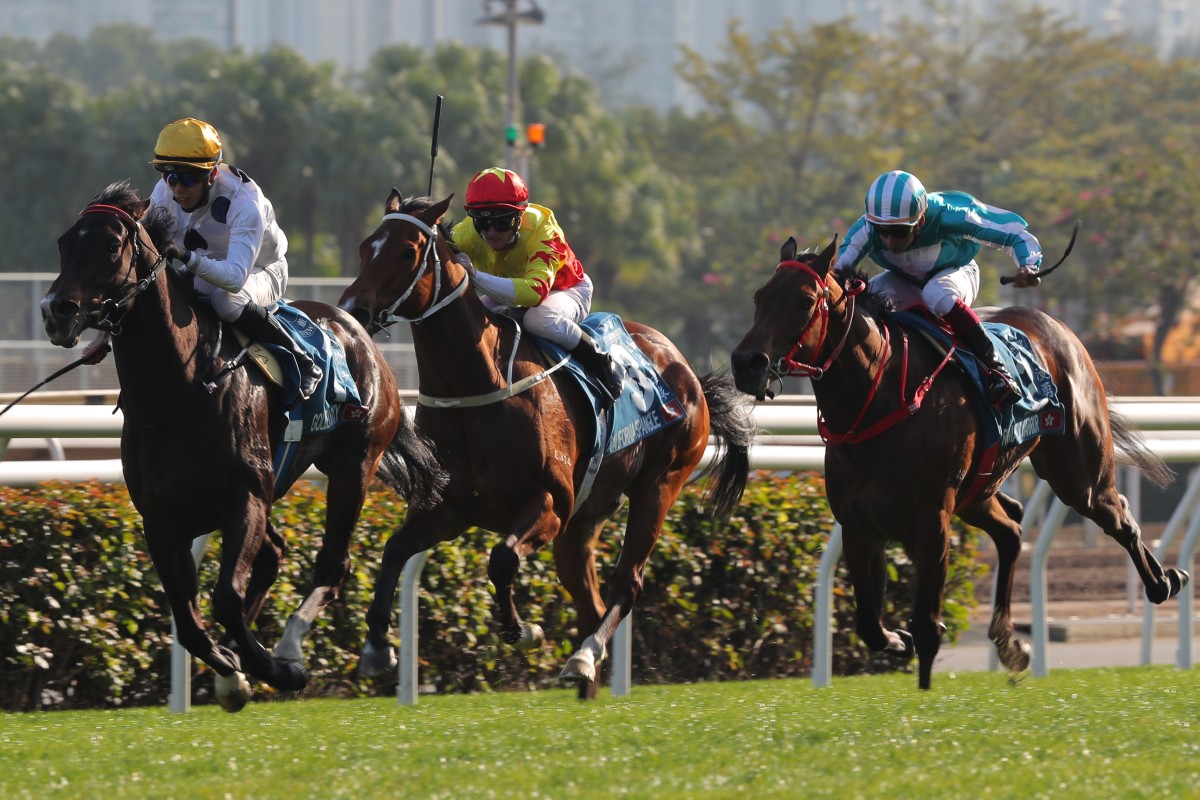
177	252
463	260
1026	278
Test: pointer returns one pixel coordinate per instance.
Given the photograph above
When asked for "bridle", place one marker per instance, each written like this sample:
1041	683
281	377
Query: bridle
387	316
789	364
111	313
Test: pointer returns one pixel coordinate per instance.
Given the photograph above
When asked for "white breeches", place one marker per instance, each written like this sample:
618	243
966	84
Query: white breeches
938	295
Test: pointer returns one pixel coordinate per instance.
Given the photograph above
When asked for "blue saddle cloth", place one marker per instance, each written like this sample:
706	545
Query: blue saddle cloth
646	405
336	400
1035	412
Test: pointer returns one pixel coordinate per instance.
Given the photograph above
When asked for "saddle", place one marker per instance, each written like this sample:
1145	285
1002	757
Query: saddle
1036	411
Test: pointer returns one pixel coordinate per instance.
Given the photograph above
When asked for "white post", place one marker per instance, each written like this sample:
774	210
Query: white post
622	665
410	582
1037	587
1187	553
822	671
1179	517
1133	493
180	699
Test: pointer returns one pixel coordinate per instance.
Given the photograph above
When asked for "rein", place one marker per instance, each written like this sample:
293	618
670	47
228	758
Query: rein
388	317
111	313
789	366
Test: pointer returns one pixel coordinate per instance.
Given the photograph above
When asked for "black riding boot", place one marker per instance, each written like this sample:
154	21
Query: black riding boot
600	365
261	325
969	330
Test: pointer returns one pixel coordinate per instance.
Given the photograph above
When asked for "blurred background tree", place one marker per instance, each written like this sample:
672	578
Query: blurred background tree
678	216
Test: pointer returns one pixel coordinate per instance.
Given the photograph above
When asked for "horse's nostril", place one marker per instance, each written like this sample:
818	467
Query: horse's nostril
361	315
63	309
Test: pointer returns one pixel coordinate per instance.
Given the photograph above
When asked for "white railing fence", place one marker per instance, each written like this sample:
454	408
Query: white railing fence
787	443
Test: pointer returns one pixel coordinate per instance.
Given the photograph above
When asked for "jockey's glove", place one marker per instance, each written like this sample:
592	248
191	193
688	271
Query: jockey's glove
464	261
177	252
1027	277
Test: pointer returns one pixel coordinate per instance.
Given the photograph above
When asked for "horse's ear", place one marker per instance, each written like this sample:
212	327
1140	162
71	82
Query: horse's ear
436	211
139	208
788	251
393	202
826	259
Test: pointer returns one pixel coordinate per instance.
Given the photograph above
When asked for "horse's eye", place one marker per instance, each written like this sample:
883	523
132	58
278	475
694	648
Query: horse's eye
408	252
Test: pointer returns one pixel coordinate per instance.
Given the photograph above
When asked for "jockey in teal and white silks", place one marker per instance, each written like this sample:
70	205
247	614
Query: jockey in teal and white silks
926	243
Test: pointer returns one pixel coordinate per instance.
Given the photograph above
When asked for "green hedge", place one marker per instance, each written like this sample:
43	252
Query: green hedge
84	622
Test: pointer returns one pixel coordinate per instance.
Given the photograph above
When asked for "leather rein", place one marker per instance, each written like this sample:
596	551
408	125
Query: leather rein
790	365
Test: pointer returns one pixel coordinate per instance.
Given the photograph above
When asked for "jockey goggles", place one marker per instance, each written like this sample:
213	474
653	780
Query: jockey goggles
503	222
188	178
893	230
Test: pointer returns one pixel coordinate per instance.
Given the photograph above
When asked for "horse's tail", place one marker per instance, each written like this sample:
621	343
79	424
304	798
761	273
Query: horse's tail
733	426
1128	438
411	467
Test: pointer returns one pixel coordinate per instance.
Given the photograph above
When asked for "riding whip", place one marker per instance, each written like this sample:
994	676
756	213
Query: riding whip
44	381
1007	279
437	121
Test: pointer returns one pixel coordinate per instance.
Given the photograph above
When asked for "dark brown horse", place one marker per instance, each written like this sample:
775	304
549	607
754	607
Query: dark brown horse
516	463
905	482
196	461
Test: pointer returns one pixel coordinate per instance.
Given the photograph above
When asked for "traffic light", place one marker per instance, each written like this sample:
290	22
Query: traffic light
510	135
535	132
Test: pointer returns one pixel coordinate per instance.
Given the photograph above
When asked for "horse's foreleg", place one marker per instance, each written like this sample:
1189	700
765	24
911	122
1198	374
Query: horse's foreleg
418	533
177	572
1000	518
931	558
243	538
539	524
344	500
867	564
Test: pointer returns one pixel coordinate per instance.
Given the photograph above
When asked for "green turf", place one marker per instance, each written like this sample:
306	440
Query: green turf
1098	733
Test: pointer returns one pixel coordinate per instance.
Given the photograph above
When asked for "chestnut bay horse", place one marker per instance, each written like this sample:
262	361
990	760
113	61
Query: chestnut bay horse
516	462
195	462
913	469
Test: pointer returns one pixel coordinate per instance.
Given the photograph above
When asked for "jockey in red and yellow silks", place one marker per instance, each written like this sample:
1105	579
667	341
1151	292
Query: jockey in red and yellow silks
518	256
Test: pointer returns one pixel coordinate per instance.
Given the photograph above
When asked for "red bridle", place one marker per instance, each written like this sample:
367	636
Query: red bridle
789	365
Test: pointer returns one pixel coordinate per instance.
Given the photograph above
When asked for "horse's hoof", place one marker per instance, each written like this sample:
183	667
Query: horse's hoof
233	691
531	636
1180	576
905	650
292	677
580	668
376	661
1018	656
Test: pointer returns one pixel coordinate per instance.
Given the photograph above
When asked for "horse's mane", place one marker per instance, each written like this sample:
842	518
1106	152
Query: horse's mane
158	222
870	302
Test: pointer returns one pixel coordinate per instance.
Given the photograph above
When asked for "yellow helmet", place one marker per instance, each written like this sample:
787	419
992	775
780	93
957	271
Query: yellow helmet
187	143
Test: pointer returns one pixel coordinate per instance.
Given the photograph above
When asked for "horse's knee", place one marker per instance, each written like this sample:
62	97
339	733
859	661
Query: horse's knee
503	565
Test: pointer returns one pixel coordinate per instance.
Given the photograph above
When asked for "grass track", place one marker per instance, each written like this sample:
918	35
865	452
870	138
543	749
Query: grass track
1094	733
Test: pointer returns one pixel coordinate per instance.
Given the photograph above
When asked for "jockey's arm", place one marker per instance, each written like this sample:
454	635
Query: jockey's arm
246	232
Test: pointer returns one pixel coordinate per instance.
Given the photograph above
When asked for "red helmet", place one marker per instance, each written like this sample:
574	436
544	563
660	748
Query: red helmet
496	188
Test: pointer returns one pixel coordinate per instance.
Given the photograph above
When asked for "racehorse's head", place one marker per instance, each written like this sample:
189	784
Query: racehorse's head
790	316
394	263
97	264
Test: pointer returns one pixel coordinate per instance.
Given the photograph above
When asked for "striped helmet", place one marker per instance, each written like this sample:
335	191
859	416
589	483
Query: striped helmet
896	198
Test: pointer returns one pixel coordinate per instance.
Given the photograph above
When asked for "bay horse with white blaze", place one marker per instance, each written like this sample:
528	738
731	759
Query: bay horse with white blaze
912	470
516	461
197	459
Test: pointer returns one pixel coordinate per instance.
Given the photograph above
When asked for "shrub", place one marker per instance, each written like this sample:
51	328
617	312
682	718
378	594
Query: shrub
84	621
